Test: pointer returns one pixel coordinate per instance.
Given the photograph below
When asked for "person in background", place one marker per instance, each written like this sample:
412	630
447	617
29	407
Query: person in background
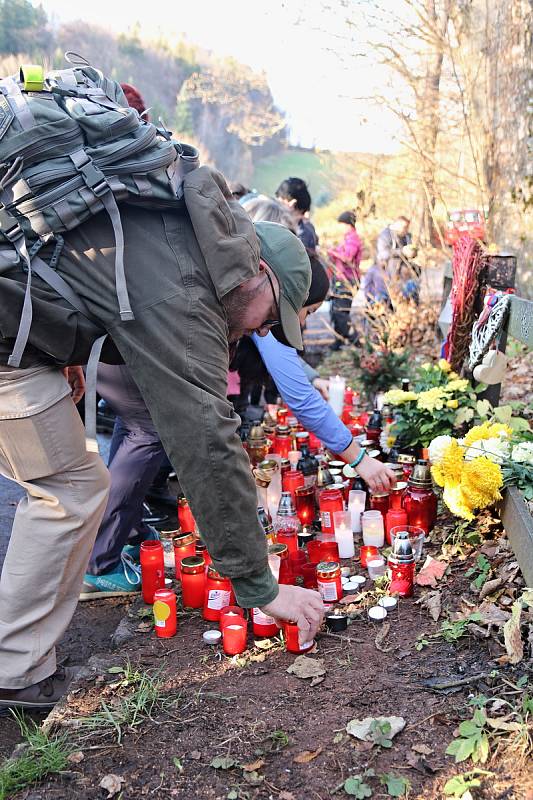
394	254
293	192
391	243
347	256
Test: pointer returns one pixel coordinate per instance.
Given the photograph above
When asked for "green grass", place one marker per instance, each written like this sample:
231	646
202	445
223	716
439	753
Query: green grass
312	167
43	755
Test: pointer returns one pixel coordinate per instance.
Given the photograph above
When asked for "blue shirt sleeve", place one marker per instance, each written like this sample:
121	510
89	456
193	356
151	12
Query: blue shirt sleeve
303	399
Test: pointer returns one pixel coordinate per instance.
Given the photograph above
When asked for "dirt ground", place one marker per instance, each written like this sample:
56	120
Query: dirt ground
246	728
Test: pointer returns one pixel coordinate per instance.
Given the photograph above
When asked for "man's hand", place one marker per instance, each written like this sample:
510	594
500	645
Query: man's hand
295	604
76	379
378	477
322	386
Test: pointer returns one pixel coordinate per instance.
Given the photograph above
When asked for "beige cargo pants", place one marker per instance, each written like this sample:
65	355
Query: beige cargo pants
42	448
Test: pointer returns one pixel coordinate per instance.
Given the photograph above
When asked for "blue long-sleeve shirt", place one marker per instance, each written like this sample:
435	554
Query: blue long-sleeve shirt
310	408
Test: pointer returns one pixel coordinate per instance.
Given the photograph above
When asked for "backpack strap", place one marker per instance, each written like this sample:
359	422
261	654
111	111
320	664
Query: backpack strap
10	88
90	394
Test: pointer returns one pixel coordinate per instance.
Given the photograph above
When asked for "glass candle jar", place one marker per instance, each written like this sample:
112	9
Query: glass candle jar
201	550
165	615
193	581
315	445
309	576
308	466
366	553
402	578
282	414
292	639
152	569
282	441
285	572
263	626
314	551
218	594
421	506
234	637
292	480
328	578
287	534
342	521
330	500
184	546
230	614
396	515
185	518
379	501
304	500
297	561
416	538
167	538
302	437
373	528
304	537
329	549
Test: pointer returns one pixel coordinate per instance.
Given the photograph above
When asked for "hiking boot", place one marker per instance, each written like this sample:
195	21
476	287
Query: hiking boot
124	581
44	694
134	550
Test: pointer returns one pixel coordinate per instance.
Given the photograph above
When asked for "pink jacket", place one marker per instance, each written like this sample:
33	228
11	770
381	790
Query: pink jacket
347	256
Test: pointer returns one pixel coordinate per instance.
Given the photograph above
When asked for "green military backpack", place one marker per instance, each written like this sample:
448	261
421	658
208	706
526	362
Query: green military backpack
70	146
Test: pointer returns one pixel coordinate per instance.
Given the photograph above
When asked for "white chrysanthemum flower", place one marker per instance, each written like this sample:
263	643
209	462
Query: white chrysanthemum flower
523	453
496	449
438	447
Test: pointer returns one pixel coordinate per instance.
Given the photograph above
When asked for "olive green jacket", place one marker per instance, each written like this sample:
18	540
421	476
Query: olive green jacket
179	267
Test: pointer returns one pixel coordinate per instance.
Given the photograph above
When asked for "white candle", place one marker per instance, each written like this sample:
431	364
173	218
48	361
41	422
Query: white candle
373	528
356	504
274	487
337	386
274	562
343	533
376	568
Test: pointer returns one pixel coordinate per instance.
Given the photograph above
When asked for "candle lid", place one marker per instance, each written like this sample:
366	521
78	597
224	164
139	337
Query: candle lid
399	487
277	550
192	563
212	637
183	539
379	494
327	567
269	465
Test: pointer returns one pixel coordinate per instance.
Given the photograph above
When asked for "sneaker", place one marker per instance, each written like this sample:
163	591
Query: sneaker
44	694
134	550
125	581
162	496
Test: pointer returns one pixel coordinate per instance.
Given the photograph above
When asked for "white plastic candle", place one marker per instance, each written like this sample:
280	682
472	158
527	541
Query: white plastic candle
274	562
373	528
376	568
337	386
356	504
343	533
274	487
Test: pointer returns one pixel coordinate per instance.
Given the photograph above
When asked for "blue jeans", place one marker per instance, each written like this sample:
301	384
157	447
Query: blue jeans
135	456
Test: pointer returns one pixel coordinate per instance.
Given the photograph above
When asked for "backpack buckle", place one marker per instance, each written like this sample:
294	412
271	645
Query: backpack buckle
94	178
9	226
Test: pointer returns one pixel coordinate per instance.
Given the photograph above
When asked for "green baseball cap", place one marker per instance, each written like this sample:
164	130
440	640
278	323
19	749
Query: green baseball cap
287	258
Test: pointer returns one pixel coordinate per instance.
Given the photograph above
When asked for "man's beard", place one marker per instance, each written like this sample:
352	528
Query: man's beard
236	304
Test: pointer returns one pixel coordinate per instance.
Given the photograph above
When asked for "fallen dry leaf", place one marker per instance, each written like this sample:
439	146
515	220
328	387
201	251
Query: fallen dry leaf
431	601
255	765
423	749
195	755
307	756
491	614
491	586
286	796
112	784
315	681
360	728
75	758
350	598
500	724
431	572
513	636
381	636
304	667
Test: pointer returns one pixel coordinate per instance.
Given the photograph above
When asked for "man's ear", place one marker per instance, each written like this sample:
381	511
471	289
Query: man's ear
262	265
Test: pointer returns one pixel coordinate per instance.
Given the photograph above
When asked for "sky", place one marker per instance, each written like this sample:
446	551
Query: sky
305	47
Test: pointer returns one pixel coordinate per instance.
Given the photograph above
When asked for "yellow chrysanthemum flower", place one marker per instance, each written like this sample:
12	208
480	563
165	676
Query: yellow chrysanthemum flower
458	385
450	468
481	481
456	501
452	404
444	365
486	430
398	397
453	376
432	399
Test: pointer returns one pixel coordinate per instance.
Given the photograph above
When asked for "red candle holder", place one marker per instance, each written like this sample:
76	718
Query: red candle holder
402	579
201	550
186	520
309	576
292	639
152	569
304	500
234	637
184	547
229	615
218	594
396	518
379	501
263	626
366	553
313	551
193	582
329	549
315	445
288	537
330	500
297	561
328	576
292	480
165	615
